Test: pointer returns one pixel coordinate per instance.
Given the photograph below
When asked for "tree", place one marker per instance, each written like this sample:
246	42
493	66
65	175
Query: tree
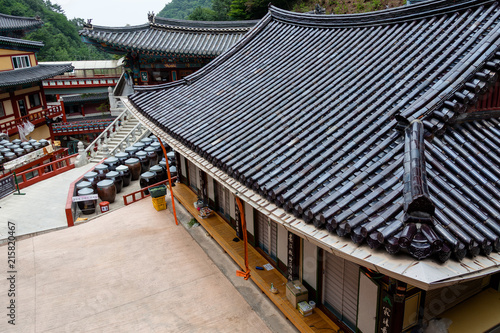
202	14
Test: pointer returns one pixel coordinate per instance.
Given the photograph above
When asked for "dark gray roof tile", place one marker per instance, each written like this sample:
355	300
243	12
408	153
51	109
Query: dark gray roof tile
32	74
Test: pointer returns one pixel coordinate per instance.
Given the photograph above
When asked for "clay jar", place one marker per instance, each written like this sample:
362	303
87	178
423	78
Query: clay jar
106	190
112	163
158	149
147	179
43	142
131	151
134	166
171	158
117	179
147	141
19	152
160	174
32	141
139	145
122	157
124	172
84	184
153	156
173	171
37	145
92	178
88	206
9	156
102	170
144	159
28	148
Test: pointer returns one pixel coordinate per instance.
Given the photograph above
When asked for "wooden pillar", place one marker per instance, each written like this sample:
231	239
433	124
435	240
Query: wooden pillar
83	111
42	93
15	106
63	109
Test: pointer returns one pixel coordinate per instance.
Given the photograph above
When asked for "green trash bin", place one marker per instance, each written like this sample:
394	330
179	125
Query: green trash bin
158	191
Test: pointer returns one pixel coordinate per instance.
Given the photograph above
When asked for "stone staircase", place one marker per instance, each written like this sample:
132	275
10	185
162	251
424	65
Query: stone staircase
123	132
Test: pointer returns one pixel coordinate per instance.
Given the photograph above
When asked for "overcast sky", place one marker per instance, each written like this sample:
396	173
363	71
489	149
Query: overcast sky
112	13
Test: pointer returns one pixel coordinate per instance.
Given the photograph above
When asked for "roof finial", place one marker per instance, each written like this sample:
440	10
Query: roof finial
319	10
151	17
88	24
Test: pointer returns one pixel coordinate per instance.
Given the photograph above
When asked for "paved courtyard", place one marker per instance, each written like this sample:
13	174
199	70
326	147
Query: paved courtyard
130	270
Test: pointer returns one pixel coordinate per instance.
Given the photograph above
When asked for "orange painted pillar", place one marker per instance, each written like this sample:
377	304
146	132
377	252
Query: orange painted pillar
169	180
246	273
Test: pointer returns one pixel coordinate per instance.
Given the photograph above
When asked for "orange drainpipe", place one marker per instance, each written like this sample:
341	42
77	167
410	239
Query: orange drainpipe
245	274
169	179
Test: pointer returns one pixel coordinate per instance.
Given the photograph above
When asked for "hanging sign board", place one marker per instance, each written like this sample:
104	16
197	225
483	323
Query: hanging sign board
144	76
85	197
7	186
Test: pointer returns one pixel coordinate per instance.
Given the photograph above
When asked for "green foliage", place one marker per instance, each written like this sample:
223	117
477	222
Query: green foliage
181	9
60	36
202	14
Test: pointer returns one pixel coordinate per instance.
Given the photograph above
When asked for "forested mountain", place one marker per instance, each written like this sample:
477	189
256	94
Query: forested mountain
59	34
222	10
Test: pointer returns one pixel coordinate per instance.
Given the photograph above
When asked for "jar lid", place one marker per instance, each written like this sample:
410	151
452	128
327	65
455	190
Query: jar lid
32	141
15	147
3	142
19	150
173	169
16	141
149	149
111	160
147	140
112	174
121	155
122	168
101	167
5	151
139	145
36	144
132	149
25	144
132	161
156	144
105	183
90	174
83	184
156	168
85	191
8	144
171	155
9	154
141	153
147	175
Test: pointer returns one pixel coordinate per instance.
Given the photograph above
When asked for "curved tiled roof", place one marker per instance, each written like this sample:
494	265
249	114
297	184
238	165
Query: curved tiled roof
170	37
21	42
348	122
9	23
32	74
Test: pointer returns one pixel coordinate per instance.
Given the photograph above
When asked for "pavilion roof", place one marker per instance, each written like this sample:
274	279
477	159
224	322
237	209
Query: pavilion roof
171	37
21	43
32	74
349	122
9	23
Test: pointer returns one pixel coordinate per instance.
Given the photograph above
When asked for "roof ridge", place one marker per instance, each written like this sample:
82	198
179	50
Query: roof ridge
387	16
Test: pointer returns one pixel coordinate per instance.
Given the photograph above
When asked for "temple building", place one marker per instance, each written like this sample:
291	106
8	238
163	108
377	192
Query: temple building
22	96
366	150
165	50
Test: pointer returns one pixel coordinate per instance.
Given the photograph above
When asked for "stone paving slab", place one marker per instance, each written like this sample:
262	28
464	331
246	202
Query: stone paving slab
130	270
42	207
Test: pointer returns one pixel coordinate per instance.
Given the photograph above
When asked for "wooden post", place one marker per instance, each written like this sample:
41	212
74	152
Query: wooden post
169	180
246	273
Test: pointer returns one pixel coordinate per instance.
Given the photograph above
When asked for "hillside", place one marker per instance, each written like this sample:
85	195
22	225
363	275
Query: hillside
221	10
59	35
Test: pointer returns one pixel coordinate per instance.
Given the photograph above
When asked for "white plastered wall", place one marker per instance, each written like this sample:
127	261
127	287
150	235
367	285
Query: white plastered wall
282	244
183	166
210	188
310	263
249	218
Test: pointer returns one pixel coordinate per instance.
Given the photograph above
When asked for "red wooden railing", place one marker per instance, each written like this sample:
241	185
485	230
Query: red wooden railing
45	171
35	118
70	208
143	195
